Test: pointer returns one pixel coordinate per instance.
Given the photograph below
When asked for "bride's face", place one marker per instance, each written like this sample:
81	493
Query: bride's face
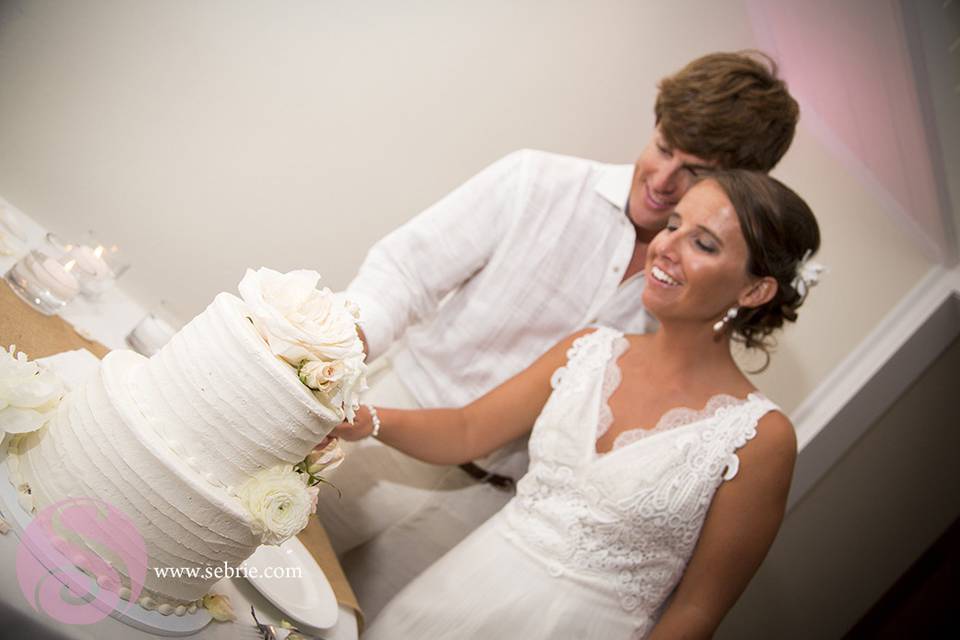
697	266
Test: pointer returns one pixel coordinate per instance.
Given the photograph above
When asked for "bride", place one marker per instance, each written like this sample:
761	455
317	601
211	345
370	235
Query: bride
639	517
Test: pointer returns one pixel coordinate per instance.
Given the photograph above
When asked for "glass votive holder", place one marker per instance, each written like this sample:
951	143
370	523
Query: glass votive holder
98	265
55	245
117	259
150	335
43	282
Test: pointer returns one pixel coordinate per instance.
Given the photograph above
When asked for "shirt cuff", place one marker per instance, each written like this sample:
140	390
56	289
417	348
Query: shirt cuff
375	322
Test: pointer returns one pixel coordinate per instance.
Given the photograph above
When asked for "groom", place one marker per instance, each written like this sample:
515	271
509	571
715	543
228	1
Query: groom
472	290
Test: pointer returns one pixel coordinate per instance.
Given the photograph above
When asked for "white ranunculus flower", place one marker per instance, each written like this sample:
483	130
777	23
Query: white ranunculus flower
299	321
29	394
279	501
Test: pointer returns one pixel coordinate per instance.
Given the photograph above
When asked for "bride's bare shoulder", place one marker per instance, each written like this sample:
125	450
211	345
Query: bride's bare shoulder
774	447
638	341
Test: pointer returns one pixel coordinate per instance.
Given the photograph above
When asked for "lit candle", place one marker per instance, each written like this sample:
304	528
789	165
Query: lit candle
92	262
57	278
152	333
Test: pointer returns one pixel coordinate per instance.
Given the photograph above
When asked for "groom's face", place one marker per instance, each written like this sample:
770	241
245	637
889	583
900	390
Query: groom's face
662	174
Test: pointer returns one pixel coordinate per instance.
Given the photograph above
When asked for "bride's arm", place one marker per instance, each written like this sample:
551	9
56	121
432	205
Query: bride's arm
741	524
453	436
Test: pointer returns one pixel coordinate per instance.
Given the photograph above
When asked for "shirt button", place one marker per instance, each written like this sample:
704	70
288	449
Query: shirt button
616	269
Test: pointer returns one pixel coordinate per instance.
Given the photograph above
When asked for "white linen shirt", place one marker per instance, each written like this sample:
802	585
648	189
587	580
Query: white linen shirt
528	251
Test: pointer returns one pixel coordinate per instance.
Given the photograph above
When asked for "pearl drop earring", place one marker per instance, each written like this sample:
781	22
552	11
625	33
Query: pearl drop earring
719	325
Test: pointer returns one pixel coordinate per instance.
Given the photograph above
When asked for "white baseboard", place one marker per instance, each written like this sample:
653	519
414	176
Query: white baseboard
868	381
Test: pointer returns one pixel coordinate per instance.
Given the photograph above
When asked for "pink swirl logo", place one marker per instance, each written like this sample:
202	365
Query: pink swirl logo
67	557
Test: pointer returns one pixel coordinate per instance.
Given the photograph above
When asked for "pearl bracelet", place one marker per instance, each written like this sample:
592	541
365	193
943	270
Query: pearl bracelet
375	419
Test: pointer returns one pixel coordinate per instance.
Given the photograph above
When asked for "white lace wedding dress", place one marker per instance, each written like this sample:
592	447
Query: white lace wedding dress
592	545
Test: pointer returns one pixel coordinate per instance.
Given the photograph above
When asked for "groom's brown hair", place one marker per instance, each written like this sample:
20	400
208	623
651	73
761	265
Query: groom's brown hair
730	109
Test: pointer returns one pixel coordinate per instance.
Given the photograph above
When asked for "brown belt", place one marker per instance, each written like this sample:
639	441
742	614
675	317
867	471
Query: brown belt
493	479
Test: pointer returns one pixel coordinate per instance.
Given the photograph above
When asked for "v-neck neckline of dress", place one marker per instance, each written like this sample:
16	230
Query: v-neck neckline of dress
637	434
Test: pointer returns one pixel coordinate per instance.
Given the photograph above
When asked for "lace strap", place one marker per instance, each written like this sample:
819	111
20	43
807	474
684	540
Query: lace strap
756	406
587	353
603	336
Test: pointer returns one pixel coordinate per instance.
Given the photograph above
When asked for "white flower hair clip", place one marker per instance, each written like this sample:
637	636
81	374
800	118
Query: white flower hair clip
808	274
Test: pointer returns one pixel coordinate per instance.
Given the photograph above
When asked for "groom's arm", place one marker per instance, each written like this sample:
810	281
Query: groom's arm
407	274
455	436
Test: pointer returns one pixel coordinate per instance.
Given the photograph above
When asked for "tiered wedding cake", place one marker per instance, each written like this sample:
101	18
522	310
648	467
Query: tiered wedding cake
197	445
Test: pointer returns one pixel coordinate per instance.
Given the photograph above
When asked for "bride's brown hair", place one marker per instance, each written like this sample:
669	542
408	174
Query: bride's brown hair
780	229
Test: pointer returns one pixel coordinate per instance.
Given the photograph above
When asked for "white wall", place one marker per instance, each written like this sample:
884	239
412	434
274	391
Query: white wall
205	136
865	523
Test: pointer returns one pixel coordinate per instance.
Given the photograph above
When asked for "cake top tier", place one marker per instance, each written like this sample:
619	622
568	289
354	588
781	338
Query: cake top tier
313	330
251	384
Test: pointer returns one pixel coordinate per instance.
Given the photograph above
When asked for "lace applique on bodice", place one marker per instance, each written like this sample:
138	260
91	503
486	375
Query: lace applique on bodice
676	417
625	522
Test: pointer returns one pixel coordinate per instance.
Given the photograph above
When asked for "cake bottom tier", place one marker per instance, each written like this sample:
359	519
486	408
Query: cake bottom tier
100	446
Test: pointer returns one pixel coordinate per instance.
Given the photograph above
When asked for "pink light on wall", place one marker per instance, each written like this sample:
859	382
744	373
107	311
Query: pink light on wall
848	65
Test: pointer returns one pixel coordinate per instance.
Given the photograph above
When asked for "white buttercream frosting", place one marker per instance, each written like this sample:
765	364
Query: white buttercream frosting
166	440
226	403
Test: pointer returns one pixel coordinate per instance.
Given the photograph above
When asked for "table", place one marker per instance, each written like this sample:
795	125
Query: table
104	326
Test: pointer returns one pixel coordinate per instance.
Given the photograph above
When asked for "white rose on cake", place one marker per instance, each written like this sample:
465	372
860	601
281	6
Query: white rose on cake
280	503
325	458
29	394
299	321
337	383
322	375
314	330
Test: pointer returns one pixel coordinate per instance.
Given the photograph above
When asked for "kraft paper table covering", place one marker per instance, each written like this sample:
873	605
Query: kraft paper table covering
39	336
35	334
315	539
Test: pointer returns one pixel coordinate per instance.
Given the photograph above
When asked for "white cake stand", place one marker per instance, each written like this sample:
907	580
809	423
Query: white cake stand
134	615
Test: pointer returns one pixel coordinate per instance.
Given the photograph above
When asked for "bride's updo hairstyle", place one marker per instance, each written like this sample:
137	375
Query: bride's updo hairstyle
780	231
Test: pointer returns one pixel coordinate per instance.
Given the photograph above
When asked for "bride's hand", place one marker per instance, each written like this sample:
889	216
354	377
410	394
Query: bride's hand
361	428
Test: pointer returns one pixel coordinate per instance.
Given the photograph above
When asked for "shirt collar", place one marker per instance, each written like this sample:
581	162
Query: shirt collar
614	184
